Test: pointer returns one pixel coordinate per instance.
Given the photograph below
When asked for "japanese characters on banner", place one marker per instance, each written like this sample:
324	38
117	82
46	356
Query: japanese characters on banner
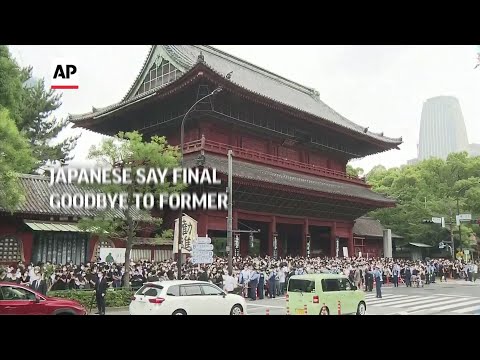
189	234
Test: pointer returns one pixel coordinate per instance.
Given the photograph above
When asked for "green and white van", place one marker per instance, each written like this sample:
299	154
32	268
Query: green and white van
324	294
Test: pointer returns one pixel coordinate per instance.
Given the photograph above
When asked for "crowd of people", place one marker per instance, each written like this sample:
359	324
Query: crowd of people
252	276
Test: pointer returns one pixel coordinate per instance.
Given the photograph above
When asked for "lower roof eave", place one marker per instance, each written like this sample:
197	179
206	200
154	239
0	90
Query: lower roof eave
320	194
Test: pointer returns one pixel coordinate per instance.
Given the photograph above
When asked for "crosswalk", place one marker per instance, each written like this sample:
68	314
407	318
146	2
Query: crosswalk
416	304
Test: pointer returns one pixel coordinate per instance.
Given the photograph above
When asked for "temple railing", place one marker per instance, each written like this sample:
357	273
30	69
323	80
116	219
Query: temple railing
267	159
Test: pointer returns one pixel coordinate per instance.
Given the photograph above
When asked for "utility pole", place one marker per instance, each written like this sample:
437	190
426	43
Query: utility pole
229	218
452	240
180	209
459	223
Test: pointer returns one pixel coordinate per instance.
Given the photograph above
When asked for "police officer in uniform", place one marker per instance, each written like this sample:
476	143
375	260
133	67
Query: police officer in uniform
261	285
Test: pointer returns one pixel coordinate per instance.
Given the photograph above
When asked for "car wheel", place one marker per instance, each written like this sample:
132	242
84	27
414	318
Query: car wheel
179	312
361	309
236	310
325	311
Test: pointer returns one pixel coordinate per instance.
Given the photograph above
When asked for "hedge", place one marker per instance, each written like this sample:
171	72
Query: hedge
113	298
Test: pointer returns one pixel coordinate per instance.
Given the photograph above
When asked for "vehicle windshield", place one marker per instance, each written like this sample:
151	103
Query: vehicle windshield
301	285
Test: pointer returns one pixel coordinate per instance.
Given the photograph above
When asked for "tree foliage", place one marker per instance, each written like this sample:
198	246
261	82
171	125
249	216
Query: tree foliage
15	157
31	106
352	171
428	189
128	150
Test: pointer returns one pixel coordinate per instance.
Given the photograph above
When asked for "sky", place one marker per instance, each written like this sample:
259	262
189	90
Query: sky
382	87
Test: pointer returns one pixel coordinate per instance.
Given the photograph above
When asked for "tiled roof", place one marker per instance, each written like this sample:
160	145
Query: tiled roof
37	193
249	77
152	241
277	176
367	226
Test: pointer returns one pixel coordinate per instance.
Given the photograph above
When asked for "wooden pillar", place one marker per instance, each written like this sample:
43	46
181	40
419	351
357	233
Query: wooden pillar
272	229
235	220
202	226
350	243
305	232
333	232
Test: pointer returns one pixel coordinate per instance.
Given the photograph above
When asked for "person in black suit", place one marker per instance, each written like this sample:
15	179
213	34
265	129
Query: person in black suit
100	292
40	285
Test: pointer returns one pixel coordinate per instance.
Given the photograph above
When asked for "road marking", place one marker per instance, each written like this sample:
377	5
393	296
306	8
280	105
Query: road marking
424	306
266	306
374	297
457	296
395	302
458	304
466	310
391	299
420	301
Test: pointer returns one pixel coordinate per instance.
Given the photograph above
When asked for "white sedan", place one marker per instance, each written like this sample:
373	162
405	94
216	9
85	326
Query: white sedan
185	297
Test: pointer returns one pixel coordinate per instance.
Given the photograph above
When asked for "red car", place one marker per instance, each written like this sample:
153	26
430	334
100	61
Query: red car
21	300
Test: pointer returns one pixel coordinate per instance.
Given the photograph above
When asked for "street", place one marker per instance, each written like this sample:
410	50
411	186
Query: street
451	298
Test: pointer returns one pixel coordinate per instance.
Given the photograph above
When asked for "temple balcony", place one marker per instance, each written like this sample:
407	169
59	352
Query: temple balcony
267	159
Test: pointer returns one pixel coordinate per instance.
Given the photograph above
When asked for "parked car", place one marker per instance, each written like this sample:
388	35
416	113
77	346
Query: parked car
21	300
324	294
185	297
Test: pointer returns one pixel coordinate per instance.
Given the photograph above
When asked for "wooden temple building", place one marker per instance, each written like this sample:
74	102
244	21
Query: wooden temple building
290	148
289	171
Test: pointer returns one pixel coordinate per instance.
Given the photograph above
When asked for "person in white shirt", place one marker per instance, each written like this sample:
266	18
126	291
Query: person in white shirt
229	283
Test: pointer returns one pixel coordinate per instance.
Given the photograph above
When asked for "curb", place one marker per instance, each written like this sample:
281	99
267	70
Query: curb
111	309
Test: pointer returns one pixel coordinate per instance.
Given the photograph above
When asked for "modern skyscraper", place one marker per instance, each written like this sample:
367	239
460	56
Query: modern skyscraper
442	128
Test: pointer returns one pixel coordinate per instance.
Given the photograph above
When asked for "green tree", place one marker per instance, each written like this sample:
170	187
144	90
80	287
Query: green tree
31	106
352	171
15	157
433	187
128	150
12	78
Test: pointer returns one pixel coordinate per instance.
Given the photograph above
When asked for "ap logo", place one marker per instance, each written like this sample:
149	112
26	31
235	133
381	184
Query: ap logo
64	75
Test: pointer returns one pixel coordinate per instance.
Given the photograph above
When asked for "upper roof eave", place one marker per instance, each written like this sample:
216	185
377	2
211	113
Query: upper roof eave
175	51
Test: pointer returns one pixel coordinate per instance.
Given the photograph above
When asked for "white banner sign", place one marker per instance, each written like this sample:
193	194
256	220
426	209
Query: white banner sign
113	255
189	234
345	251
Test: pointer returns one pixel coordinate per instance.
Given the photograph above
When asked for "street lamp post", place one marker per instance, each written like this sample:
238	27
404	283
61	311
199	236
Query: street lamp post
180	216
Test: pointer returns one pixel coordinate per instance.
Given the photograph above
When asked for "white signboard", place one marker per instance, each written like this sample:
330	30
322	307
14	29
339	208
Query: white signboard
437	220
203	240
466	252
463	217
202	251
201	247
202	260
466	217
189	234
113	255
345	251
